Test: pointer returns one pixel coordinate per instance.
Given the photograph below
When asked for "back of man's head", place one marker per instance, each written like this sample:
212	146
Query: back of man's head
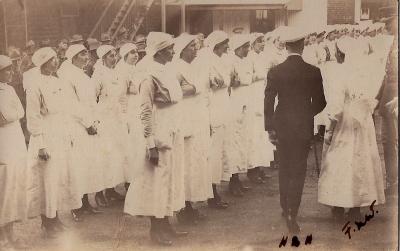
295	47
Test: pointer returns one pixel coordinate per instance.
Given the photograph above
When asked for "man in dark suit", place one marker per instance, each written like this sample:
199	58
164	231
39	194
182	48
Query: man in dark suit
298	86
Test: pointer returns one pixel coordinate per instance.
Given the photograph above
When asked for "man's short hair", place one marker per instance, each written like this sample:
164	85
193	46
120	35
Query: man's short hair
296	45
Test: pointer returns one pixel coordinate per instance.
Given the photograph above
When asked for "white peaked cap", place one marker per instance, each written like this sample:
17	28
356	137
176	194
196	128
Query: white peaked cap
43	55
215	38
238	40
279	31
104	49
292	34
5	62
254	36
157	41
181	42
126	48
74	50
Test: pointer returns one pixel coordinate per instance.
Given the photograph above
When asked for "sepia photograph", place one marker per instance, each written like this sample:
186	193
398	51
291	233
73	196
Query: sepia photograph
198	125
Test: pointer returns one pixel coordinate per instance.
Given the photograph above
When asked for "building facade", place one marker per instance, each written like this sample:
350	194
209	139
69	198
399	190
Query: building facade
24	20
233	16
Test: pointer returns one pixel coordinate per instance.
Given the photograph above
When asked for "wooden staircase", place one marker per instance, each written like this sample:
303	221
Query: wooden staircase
119	13
142	14
120	18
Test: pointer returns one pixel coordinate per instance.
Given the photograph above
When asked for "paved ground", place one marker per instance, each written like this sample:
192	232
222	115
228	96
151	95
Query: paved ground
251	223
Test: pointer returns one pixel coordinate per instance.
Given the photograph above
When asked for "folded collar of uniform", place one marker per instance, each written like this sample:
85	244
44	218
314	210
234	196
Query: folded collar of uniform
215	38
157	41
5	62
43	55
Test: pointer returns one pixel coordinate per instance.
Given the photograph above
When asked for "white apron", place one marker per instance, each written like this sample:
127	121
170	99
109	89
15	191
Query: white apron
238	127
88	161
219	117
196	128
113	127
136	144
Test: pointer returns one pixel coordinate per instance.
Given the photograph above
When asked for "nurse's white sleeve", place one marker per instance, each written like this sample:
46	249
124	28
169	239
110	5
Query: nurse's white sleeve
34	103
10	110
147	91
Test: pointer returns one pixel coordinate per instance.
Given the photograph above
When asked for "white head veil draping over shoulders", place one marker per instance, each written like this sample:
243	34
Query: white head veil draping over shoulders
162	74
181	43
359	95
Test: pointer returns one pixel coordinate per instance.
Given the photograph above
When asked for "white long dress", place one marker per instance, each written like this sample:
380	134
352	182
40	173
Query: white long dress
351	173
88	160
213	67
159	190
196	128
239	110
113	127
136	143
50	119
260	150
14	172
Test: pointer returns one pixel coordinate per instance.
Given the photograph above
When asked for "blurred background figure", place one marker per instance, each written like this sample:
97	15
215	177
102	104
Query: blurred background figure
91	44
105	39
388	103
26	61
61	49
76	39
45	43
140	42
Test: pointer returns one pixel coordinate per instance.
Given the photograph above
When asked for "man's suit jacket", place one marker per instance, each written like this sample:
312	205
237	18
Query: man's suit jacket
300	92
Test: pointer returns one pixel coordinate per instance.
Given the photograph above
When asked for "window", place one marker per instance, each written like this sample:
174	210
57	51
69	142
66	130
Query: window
262	21
364	13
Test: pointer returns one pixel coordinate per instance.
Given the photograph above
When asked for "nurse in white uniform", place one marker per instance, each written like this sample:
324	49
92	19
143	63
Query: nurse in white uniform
14	172
158	189
214	73
260	151
86	141
113	129
50	116
238	125
126	69
196	128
